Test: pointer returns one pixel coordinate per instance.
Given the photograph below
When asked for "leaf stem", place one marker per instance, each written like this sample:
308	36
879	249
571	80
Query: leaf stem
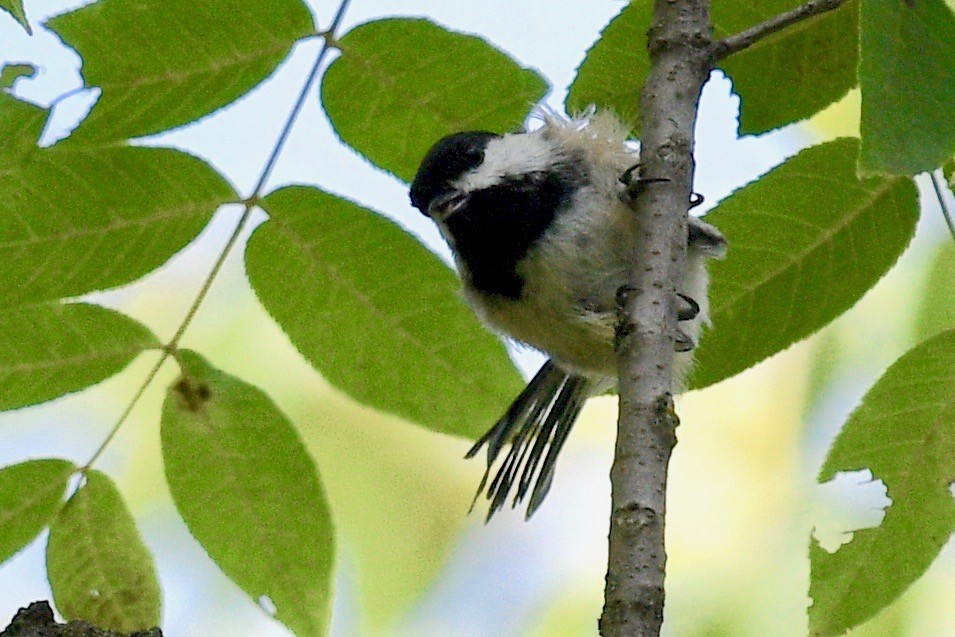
329	43
173	343
736	43
946	211
250	203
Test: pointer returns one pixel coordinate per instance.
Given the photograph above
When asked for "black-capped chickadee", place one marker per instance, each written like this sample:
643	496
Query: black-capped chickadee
542	238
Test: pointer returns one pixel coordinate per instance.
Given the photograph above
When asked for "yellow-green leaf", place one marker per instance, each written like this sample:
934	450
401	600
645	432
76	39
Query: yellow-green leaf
20	126
936	311
948	170
15	9
248	491
794	73
907	76
30	494
9	73
100	570
163	63
806	241
783	78
377	314
74	219
52	349
418	82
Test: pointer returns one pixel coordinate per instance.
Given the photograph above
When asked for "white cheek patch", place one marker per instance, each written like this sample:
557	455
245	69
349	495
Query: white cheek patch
510	155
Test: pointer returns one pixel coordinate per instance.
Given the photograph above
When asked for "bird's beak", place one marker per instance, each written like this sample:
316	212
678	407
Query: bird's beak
446	205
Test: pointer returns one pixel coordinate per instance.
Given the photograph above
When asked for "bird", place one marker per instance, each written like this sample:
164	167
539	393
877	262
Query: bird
542	234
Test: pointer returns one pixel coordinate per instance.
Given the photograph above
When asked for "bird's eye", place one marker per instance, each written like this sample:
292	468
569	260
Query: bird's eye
444	206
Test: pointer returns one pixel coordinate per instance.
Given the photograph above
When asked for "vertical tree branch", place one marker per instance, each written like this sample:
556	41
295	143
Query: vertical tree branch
680	45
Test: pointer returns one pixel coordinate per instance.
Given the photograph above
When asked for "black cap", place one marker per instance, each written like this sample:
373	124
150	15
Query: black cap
448	159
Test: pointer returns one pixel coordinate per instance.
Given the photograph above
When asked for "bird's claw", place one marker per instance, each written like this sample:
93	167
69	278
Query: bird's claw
632	184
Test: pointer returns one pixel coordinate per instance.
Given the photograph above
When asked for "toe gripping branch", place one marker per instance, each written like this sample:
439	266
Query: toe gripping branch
688	310
632	183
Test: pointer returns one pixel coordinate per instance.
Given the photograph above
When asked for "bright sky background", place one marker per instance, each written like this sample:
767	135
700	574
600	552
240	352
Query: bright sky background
741	497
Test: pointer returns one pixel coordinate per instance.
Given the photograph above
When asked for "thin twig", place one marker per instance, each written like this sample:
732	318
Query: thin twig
680	47
946	211
735	43
250	202
174	342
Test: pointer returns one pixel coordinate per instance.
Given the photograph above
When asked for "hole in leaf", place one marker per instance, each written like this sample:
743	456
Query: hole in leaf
94	593
851	501
266	604
951	489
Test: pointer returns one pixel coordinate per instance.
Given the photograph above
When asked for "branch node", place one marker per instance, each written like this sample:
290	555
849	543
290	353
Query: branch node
633	518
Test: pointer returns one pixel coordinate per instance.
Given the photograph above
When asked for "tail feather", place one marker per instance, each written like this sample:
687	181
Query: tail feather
576	397
544	383
566	407
539	419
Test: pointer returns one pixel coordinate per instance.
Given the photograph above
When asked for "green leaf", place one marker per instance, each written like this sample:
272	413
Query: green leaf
163	63
377	314
20	126
100	570
55	349
907	75
248	491
904	432
622	45
937	308
76	219
10	73
783	78
795	73
15	9
417	82
30	494
806	241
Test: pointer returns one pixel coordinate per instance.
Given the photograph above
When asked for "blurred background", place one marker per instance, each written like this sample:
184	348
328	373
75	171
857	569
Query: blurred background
411	562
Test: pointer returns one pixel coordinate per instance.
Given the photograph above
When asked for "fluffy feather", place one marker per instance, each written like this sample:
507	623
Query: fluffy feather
543	242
